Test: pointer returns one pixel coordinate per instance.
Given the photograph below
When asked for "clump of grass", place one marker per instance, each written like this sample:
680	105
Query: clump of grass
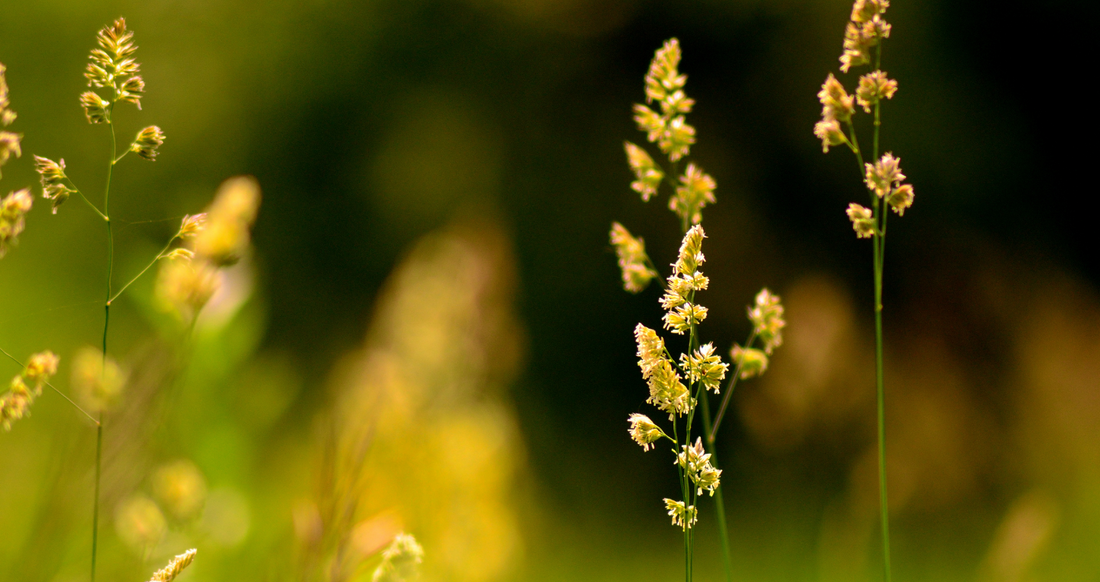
191	260
680	386
866	30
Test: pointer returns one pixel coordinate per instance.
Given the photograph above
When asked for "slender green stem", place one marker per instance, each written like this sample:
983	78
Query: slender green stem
106	323
713	428
159	256
723	532
879	258
95	506
89	202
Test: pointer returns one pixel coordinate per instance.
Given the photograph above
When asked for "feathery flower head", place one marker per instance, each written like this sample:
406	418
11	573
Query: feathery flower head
865	29
52	175
864	10
664	84
648	175
7	116
666	390
147	142
691	252
884	175
751	361
180	253
829	132
681	319
192	225
874	87
677	138
703	366
15	403
767	319
112	65
695	191
9	142
226	236
650	122
40	368
96	109
644	431
696	462
13	209
174	567
664	78
400	561
901	198
633	260
884	179
862	221
682	515
97	380
836	103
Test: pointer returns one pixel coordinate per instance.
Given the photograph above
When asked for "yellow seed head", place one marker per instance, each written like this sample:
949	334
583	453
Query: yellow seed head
644	431
174	567
862	221
874	87
13	209
147	142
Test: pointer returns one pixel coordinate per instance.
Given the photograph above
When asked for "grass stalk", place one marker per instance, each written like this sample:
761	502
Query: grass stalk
880	257
106	325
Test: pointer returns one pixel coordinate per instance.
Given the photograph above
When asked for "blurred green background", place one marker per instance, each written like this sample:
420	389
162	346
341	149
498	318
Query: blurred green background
430	334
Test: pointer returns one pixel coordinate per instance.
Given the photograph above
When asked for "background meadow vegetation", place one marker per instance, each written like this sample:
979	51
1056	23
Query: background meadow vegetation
430	334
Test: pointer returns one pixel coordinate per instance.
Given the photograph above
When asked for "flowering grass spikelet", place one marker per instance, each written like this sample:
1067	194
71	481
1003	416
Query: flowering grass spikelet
874	87
666	390
766	315
664	84
113	66
646	173
695	191
15	403
865	29
644	431
174	567
191	225
696	462
13	210
682	514
96	108
862	222
147	142
9	141
53	178
750	362
703	366
835	101
633	260
884	179
400	561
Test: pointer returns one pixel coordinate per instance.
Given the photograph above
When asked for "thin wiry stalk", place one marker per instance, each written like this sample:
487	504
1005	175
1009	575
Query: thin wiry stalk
106	324
723	532
879	258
